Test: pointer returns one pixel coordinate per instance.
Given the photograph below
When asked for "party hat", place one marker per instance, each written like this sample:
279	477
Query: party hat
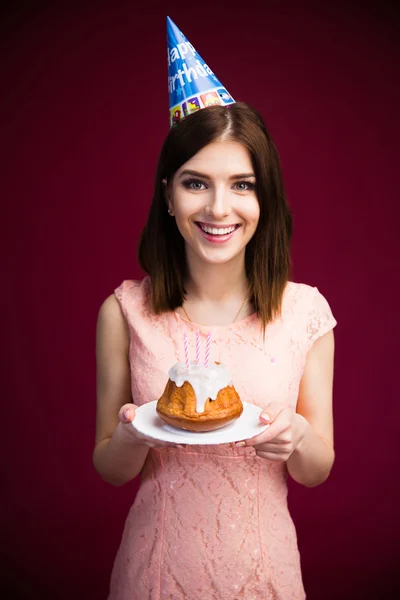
191	83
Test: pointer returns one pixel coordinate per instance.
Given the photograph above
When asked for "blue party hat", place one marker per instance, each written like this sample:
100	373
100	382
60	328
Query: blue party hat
191	83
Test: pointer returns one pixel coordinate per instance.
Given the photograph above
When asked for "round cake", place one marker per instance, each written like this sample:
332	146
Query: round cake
199	398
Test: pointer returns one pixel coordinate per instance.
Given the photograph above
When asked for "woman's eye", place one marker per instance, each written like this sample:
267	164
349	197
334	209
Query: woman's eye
194	184
197	185
244	186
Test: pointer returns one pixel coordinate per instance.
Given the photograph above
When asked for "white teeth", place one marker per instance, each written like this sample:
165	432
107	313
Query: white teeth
219	231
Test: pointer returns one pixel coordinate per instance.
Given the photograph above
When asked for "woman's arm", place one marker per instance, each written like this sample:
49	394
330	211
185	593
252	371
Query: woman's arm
118	454
304	440
312	459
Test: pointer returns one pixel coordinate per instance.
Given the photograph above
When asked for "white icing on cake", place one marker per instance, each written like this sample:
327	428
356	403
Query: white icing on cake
206	382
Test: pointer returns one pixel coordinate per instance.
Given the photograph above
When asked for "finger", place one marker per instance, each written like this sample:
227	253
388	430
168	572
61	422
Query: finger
272	410
278	428
149	444
127	413
158	445
273	448
162	445
145	441
153	443
256	440
165	444
271	456
284	438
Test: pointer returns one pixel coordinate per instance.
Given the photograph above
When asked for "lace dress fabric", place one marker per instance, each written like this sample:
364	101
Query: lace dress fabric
212	522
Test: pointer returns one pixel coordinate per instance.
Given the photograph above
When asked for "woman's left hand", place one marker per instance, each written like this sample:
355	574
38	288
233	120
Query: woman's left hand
284	433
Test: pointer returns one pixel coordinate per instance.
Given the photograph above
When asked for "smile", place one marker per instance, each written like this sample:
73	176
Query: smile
215	234
217	230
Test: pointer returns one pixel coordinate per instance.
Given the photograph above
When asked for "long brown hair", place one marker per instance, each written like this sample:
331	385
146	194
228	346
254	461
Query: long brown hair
267	258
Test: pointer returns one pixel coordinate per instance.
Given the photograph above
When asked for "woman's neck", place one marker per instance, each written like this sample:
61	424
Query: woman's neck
215	283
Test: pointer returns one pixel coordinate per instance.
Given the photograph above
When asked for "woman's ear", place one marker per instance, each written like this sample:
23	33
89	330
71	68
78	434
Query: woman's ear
167	196
165	188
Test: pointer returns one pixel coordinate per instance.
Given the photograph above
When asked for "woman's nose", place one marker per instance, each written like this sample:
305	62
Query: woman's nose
219	205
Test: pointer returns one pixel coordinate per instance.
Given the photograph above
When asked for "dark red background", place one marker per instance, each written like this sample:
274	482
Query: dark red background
84	113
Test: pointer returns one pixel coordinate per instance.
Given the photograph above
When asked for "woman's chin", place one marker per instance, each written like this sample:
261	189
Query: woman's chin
220	258
214	254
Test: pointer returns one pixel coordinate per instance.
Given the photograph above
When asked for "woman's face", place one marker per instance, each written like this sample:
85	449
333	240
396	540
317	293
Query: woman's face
214	202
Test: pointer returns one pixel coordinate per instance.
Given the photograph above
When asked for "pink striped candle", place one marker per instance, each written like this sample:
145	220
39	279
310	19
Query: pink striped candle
208	345
185	343
198	348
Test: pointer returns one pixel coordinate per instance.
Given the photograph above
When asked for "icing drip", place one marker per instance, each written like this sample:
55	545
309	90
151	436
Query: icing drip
206	382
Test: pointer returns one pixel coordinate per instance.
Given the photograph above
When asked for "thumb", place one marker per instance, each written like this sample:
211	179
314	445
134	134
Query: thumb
126	413
271	411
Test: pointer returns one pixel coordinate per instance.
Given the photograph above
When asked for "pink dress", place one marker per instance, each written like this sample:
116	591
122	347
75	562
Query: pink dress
212	522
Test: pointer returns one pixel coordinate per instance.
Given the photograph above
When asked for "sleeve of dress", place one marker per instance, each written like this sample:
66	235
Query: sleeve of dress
120	294
320	318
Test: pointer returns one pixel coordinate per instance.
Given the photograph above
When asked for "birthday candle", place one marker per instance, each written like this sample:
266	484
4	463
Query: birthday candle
185	343
198	348
208	344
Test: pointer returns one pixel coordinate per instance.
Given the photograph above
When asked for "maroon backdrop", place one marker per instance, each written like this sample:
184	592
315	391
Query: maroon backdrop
84	113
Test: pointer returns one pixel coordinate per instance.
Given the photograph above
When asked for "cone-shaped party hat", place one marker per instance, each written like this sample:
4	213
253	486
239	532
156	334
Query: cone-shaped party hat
191	83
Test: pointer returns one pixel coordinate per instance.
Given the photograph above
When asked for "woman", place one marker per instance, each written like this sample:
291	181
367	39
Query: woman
212	522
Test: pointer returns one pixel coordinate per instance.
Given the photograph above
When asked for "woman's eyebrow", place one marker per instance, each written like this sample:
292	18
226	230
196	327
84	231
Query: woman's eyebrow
204	176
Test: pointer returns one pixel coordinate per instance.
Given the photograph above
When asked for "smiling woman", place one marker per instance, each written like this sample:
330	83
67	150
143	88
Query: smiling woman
219	170
217	232
211	521
215	217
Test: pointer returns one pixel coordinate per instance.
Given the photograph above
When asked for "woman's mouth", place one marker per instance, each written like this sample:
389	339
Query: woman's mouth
217	233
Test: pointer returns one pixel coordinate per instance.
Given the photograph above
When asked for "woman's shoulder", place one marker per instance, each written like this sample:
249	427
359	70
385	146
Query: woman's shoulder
304	304
133	294
131	289
298	292
304	297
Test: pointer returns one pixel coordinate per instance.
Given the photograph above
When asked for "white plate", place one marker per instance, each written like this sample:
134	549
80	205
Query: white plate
148	423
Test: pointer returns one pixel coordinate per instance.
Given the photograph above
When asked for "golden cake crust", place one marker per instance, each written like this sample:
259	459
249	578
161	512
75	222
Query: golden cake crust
177	407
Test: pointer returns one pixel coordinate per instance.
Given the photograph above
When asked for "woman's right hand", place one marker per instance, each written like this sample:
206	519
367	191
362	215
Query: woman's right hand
126	415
